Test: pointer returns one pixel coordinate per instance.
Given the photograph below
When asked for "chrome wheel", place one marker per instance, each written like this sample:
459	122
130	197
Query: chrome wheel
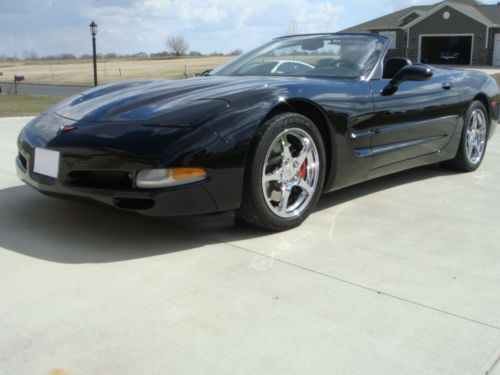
476	136
291	172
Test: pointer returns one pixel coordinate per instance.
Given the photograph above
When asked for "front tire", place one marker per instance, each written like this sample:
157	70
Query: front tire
285	175
472	147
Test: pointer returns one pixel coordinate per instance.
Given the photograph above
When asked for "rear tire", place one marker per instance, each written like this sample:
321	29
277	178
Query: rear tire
285	174
474	140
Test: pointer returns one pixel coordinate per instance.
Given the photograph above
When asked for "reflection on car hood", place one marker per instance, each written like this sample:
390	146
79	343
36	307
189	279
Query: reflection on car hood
146	100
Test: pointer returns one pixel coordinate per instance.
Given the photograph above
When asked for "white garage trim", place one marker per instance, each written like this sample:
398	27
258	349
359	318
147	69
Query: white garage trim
441	35
496	51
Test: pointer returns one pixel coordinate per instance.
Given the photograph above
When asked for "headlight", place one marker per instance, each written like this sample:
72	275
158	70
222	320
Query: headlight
159	178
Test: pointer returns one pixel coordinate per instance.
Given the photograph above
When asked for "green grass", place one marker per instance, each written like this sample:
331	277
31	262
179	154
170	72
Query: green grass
25	105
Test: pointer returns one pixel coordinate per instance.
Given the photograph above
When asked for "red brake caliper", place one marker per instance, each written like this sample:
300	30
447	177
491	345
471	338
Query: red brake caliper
303	170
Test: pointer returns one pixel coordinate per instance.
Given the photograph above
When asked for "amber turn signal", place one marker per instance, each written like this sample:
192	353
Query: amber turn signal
188	173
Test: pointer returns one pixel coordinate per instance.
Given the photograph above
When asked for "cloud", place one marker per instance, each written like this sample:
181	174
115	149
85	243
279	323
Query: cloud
142	25
127	26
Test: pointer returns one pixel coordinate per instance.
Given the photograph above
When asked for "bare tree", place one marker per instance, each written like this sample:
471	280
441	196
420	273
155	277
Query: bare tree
293	28
30	55
178	44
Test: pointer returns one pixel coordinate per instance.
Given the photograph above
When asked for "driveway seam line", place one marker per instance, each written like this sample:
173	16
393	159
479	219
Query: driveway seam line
496	361
352	283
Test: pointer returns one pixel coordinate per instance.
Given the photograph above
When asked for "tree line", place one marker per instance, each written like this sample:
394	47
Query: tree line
176	46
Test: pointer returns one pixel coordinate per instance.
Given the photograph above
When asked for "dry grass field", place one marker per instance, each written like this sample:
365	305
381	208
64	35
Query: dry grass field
80	72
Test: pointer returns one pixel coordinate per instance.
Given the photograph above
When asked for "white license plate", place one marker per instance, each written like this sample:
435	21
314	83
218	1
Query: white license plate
46	162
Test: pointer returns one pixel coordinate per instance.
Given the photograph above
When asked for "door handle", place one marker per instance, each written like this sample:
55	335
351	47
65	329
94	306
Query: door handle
447	85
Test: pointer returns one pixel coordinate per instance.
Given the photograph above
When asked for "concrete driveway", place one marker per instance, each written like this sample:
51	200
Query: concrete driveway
480	68
399	275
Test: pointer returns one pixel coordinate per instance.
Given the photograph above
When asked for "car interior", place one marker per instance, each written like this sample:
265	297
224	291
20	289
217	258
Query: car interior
330	67
343	67
393	65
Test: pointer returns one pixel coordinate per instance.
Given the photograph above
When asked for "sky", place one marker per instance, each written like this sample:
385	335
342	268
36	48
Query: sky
130	26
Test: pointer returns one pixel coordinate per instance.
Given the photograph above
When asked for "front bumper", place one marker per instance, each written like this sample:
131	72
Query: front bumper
116	191
99	162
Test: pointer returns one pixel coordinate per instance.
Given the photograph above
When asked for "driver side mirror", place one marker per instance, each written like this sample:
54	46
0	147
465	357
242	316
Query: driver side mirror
407	73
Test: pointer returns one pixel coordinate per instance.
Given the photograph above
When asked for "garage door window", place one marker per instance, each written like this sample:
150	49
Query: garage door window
453	50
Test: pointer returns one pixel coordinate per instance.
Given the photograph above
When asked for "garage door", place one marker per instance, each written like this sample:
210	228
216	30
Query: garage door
456	50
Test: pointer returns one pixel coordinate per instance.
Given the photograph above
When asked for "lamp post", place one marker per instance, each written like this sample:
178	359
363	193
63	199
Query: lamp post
93	32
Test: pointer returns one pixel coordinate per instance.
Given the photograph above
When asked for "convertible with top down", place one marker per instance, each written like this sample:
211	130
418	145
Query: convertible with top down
263	135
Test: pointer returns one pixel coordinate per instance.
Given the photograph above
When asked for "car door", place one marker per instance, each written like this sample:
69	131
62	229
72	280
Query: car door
418	119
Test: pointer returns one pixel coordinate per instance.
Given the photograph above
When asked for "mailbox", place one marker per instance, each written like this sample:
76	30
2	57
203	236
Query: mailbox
16	80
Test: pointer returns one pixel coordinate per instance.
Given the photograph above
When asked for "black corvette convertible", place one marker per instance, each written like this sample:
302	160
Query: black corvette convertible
263	141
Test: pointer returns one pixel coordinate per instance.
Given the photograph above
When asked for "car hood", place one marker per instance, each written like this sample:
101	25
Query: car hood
158	100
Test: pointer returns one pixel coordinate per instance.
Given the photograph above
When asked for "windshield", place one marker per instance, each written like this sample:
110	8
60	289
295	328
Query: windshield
333	55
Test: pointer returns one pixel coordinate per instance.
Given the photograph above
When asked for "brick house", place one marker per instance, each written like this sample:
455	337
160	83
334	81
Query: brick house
462	32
